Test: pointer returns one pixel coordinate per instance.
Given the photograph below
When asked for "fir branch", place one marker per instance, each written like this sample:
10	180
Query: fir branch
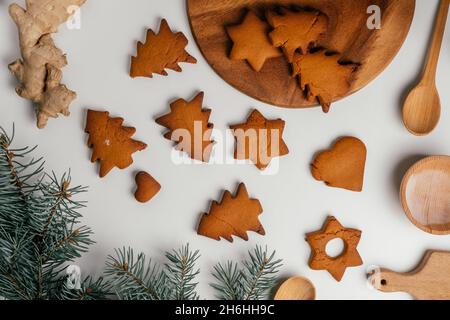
228	277
136	279
181	272
38	224
133	279
252	282
90	290
259	274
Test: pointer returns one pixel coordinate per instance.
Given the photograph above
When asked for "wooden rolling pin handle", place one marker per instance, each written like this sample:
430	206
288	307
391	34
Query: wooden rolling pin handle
436	43
386	280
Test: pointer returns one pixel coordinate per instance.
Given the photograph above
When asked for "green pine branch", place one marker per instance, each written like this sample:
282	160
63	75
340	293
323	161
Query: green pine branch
252	282
181	273
91	289
39	225
133	278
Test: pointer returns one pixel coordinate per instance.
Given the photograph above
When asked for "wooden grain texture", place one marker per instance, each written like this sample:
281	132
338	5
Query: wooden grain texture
425	194
422	109
297	288
348	34
429	281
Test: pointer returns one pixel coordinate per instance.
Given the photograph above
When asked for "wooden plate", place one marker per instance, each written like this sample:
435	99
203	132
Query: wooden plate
348	33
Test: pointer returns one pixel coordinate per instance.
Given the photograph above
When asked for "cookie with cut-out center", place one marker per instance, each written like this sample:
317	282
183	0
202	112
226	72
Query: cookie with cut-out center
319	240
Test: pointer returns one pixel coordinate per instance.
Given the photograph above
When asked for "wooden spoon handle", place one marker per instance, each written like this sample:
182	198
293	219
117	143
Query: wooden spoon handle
439	29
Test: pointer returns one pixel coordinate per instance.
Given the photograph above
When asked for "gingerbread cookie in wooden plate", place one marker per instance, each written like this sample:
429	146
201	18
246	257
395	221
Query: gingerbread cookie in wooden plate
348	32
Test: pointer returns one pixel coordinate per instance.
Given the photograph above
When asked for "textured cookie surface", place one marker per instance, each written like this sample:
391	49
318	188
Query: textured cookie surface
161	51
147	187
111	141
296	31
319	240
343	166
251	41
323	76
259	140
189	127
234	215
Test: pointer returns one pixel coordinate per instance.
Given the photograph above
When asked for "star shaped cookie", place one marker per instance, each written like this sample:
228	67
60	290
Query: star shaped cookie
259	140
251	41
318	241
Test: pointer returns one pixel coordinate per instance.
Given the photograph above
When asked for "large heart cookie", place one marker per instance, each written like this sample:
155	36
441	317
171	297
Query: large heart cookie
342	166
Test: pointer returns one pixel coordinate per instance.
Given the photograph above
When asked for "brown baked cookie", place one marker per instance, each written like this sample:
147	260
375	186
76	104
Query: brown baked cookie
234	215
323	77
343	166
111	142
161	51
189	127
296	30
259	140
319	240
251	42
147	187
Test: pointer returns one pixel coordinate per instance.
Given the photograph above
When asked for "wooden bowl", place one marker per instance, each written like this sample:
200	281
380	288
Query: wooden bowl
425	194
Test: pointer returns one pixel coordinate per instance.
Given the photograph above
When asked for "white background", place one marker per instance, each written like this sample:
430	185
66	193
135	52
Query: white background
294	203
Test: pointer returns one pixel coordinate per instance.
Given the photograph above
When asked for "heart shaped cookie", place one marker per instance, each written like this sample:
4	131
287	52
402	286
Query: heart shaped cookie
343	166
147	187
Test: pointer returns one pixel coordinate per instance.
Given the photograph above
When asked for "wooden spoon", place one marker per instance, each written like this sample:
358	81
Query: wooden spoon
297	288
422	108
425	195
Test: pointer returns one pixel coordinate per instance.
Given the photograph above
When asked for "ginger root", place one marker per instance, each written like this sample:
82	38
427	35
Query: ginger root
39	70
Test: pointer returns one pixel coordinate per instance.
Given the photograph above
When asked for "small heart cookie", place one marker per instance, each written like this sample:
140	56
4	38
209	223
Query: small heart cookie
343	166
147	187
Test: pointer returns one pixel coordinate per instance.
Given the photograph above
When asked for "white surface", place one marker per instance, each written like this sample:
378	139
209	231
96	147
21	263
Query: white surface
294	203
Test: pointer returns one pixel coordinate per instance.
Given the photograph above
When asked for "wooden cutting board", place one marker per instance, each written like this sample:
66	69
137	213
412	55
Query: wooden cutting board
348	34
429	281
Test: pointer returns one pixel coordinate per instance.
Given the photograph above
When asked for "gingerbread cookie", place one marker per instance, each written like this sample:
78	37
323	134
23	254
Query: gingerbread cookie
189	127
323	76
318	241
259	140
296	30
234	215
251	42
343	166
161	51
111	142
147	187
